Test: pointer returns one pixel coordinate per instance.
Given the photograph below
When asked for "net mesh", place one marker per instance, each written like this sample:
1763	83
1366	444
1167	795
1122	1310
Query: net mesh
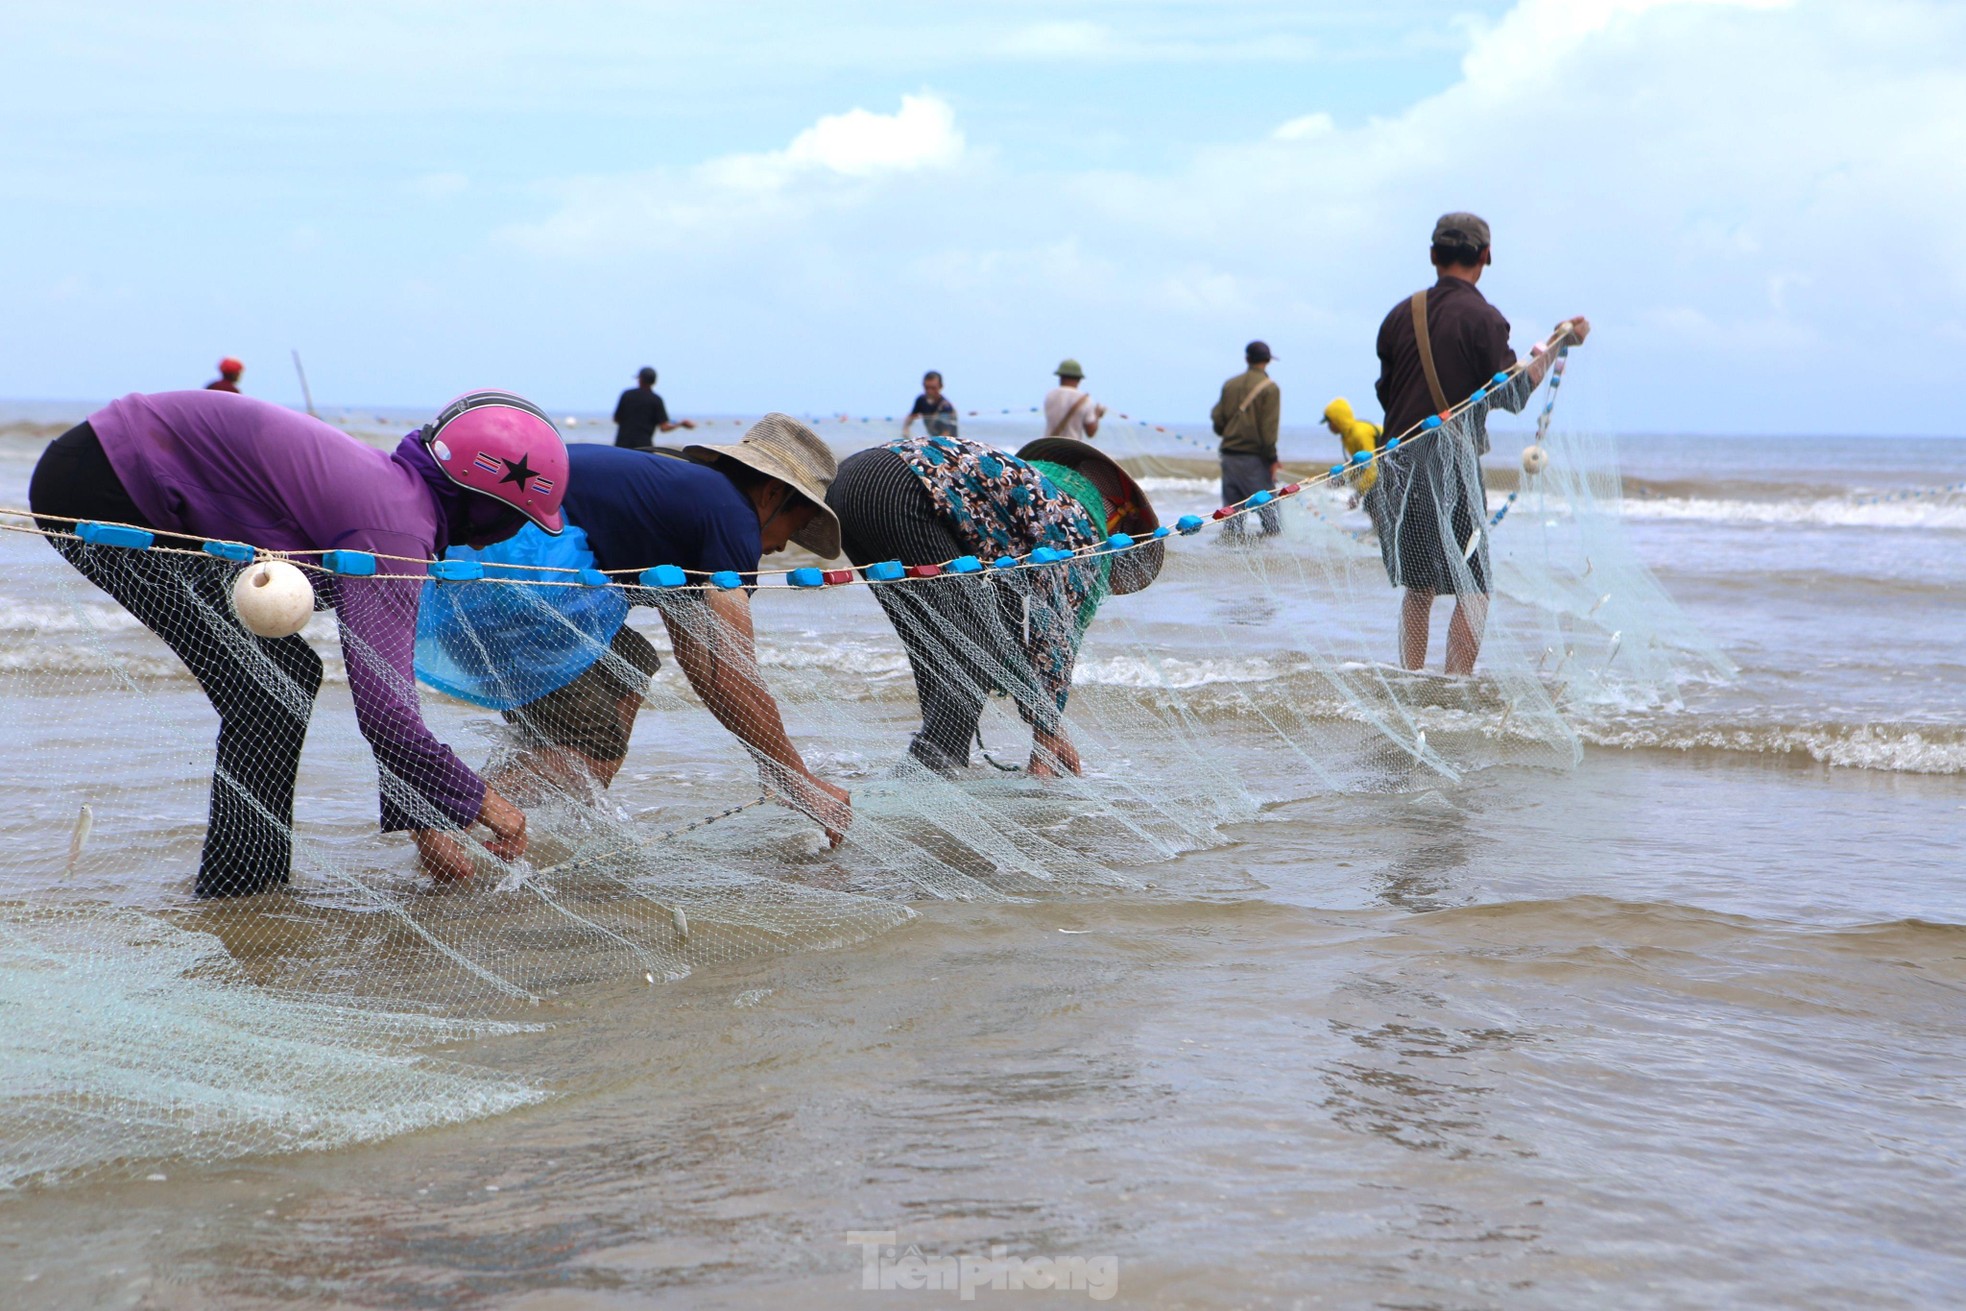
145	1021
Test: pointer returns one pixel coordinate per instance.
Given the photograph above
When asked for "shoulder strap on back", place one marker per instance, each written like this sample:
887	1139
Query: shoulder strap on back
1261	387
1427	350
1058	429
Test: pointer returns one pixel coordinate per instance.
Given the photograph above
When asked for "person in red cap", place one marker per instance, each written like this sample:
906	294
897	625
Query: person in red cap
229	370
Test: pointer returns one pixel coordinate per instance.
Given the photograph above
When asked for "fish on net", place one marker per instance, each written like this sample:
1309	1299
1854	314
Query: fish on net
315	1008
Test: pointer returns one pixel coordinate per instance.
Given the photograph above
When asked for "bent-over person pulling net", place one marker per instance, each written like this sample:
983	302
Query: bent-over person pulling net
207	465
560	661
1013	632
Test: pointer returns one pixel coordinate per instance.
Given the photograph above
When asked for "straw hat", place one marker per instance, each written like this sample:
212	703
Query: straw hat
779	446
1138	567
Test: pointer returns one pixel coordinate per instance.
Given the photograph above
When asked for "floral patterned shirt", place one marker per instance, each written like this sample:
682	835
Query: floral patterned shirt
996	504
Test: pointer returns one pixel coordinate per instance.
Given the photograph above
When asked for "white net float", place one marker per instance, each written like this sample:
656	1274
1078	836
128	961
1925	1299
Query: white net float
273	599
1534	459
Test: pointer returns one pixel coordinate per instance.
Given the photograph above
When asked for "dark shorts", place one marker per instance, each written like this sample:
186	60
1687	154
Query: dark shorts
1409	502
595	713
1242	477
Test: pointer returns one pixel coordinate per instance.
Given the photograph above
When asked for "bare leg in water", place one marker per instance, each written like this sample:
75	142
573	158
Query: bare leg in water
1464	630
1415	616
546	765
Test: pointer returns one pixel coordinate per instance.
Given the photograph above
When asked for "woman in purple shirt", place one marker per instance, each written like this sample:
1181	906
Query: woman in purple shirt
207	466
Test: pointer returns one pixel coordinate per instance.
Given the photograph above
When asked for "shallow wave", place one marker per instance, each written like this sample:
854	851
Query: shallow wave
1845	746
1947	512
40	619
1611	926
1170	671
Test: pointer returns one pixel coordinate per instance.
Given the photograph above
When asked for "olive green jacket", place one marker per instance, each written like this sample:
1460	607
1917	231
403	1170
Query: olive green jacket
1248	429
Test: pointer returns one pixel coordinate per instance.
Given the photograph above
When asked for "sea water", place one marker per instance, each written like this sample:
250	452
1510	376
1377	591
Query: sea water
1678	1027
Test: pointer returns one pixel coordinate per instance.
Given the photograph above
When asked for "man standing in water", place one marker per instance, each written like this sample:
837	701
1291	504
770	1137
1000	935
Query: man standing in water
229	370
1435	350
640	414
1246	419
1068	411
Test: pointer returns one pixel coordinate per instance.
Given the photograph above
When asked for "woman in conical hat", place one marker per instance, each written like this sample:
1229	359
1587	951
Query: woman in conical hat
929	500
562	663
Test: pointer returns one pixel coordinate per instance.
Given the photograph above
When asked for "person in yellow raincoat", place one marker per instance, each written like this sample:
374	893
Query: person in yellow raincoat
1357	435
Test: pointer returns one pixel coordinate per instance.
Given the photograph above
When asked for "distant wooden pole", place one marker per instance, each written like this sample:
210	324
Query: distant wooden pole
305	394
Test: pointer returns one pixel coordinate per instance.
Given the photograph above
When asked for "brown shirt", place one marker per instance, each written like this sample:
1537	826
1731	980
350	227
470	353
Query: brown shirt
1470	340
1252	431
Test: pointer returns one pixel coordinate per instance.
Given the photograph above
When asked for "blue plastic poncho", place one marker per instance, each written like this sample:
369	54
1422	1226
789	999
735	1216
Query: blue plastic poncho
501	646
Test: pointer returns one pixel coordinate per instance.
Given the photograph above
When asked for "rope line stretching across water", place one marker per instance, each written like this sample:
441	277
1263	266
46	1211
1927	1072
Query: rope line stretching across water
671	578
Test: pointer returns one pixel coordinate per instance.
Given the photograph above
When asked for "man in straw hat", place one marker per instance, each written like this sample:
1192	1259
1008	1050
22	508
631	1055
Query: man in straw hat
1016	632
562	664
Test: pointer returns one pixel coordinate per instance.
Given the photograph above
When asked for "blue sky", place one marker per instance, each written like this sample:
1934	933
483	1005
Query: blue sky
792	206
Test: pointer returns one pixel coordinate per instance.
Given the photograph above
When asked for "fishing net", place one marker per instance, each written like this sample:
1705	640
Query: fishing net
145	1021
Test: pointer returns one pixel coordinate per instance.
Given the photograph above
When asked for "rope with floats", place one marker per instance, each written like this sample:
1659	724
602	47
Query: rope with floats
667	578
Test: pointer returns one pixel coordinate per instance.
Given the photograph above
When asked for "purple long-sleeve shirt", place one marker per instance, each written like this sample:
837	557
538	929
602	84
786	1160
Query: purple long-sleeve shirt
213	465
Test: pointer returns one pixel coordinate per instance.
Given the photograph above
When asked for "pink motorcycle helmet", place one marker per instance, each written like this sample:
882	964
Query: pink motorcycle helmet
502	446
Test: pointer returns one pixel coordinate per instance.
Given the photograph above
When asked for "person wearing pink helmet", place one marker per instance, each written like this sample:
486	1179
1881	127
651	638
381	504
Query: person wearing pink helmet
196	467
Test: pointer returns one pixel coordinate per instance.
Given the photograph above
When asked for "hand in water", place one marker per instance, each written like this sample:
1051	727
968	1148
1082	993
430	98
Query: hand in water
836	813
443	855
831	807
507	823
1052	752
446	854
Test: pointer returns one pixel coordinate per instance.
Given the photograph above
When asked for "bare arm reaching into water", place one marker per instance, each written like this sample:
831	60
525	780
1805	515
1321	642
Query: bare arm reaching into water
717	648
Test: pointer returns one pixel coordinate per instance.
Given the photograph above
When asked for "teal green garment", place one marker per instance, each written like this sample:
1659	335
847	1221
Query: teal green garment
1080	488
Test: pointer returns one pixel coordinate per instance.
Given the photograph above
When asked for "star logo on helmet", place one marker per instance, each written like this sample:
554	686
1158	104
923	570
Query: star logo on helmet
516	471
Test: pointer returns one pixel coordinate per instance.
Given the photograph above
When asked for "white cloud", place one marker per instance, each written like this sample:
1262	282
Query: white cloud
856	144
1305	128
860	144
1754	201
725	202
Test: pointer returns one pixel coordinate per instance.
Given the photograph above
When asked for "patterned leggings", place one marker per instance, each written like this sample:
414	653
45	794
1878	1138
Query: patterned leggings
263	690
961	633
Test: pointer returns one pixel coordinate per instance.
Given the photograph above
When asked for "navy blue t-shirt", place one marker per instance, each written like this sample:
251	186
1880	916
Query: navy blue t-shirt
938	415
640	510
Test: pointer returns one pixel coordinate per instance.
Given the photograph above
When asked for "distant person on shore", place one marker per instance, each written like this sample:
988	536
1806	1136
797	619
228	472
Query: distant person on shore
229	370
1354	435
1436	348
1068	410
1246	418
936	411
640	414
